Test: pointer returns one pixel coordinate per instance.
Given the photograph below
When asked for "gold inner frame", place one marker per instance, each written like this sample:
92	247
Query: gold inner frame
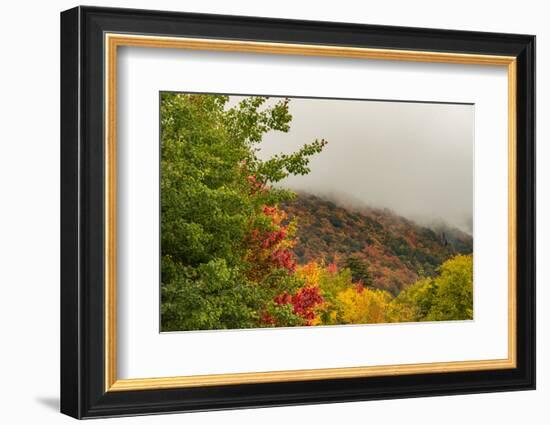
113	41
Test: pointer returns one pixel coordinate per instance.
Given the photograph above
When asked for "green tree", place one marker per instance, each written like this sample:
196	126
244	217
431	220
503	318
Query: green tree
359	270
214	191
447	296
454	295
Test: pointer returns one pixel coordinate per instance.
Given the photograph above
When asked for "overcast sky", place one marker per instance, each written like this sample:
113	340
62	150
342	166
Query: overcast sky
414	158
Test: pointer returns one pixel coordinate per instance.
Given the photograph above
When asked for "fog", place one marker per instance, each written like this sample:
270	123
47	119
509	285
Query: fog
413	158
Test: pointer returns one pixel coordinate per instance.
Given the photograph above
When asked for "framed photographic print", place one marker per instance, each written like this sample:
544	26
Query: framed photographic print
261	212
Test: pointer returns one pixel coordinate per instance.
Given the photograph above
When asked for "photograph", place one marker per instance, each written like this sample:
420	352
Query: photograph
280	212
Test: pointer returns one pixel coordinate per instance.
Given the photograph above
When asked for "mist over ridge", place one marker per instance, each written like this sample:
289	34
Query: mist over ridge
357	205
415	159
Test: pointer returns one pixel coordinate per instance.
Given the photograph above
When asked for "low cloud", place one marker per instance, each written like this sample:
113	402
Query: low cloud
413	158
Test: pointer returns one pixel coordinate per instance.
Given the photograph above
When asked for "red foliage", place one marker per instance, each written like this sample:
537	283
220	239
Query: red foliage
271	248
284	298
304	302
332	268
284	259
269	211
267	318
256	185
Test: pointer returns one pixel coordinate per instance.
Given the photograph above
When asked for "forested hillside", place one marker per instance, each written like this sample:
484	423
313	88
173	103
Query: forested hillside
396	251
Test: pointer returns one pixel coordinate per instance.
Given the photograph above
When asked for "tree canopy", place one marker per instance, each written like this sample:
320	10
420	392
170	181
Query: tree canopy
225	246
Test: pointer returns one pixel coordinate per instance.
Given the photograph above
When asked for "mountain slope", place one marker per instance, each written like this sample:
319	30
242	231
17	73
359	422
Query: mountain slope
397	250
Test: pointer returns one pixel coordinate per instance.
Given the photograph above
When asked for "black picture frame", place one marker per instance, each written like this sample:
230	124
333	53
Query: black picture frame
83	392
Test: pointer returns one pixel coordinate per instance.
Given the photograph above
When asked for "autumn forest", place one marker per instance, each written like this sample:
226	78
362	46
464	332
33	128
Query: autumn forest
240	249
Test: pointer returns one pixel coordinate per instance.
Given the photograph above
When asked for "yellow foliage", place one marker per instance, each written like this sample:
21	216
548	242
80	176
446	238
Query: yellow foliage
363	305
311	272
447	296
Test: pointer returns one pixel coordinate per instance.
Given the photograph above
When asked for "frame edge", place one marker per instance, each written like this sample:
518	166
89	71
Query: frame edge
70	349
